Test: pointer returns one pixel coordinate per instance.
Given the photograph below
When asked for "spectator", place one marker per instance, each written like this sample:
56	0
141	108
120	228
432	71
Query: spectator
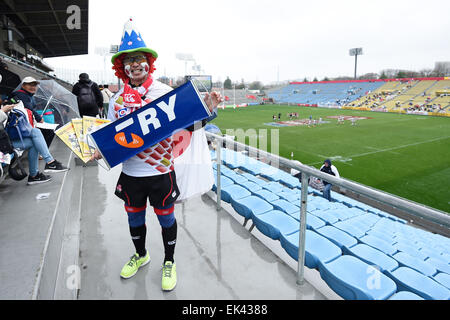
89	97
35	144
327	167
106	97
26	95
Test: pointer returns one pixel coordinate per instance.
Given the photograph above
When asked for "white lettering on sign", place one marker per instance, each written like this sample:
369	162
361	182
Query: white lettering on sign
168	109
124	124
145	121
149	117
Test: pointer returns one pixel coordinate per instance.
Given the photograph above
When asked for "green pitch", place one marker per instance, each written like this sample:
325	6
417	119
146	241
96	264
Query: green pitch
406	155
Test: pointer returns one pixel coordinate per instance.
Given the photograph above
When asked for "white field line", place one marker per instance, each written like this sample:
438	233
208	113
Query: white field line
386	150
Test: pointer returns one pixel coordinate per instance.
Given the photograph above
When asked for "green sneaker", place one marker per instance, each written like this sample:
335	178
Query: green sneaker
169	276
133	265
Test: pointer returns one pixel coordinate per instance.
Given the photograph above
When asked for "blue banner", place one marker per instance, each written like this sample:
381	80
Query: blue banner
156	121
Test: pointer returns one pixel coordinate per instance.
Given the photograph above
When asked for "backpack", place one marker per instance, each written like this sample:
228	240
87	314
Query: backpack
5	144
18	125
86	97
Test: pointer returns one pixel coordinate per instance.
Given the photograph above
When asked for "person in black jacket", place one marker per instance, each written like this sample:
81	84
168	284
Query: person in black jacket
89	97
26	95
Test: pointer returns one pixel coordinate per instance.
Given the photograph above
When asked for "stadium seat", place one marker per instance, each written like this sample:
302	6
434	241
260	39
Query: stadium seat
317	248
407	260
285	206
443	278
237	178
350	229
433	254
250	186
224	181
380	244
289	196
325	215
274	187
354	279
372	256
312	222
266	195
439	265
405	295
411	280
233	191
411	250
343	214
274	223
338	237
249	206
254	179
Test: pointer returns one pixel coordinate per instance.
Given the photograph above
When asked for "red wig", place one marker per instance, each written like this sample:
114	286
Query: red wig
118	66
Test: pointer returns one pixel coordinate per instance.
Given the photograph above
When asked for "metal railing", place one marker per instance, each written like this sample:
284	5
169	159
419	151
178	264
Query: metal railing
416	209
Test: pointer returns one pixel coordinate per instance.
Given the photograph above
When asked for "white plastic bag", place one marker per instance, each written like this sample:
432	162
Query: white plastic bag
193	168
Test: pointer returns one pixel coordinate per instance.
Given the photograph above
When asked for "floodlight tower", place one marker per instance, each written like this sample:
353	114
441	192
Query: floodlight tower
355	52
185	57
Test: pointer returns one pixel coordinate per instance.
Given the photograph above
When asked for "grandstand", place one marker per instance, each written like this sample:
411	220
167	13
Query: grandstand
347	241
398	95
240	97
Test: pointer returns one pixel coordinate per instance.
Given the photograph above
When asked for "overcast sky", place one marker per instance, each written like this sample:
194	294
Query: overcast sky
269	40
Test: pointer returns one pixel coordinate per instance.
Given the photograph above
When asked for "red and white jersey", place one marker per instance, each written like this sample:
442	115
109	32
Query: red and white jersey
157	159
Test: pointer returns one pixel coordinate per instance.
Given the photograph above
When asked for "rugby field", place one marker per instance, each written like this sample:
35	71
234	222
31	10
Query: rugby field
406	155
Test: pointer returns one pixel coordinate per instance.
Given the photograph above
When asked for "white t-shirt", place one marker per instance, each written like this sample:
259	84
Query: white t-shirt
136	166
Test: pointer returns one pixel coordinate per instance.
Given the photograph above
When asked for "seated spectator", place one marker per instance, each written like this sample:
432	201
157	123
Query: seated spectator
26	95
35	144
327	167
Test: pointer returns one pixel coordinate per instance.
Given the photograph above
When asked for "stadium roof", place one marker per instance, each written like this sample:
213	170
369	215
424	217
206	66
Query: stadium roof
43	25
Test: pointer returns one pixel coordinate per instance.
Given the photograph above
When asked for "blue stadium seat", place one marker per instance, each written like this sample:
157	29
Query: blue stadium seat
289	196
317	248
254	179
274	187
407	260
411	280
285	206
380	234
439	265
338	237
372	256
266	195
325	215
351	278
233	191
343	214
237	178
350	229
380	244
443	278
411	250
433	254
312	222
405	295
224	181
249	206
250	186
274	223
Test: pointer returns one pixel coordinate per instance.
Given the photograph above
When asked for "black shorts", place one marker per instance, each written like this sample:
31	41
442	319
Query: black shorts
161	190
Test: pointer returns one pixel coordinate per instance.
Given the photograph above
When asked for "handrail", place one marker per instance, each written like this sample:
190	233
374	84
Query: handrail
419	210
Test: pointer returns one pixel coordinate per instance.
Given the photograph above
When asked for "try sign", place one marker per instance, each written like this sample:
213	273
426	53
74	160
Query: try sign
158	120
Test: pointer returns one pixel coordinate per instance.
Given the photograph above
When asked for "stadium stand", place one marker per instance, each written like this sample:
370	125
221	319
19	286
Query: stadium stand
348	242
412	95
240	97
